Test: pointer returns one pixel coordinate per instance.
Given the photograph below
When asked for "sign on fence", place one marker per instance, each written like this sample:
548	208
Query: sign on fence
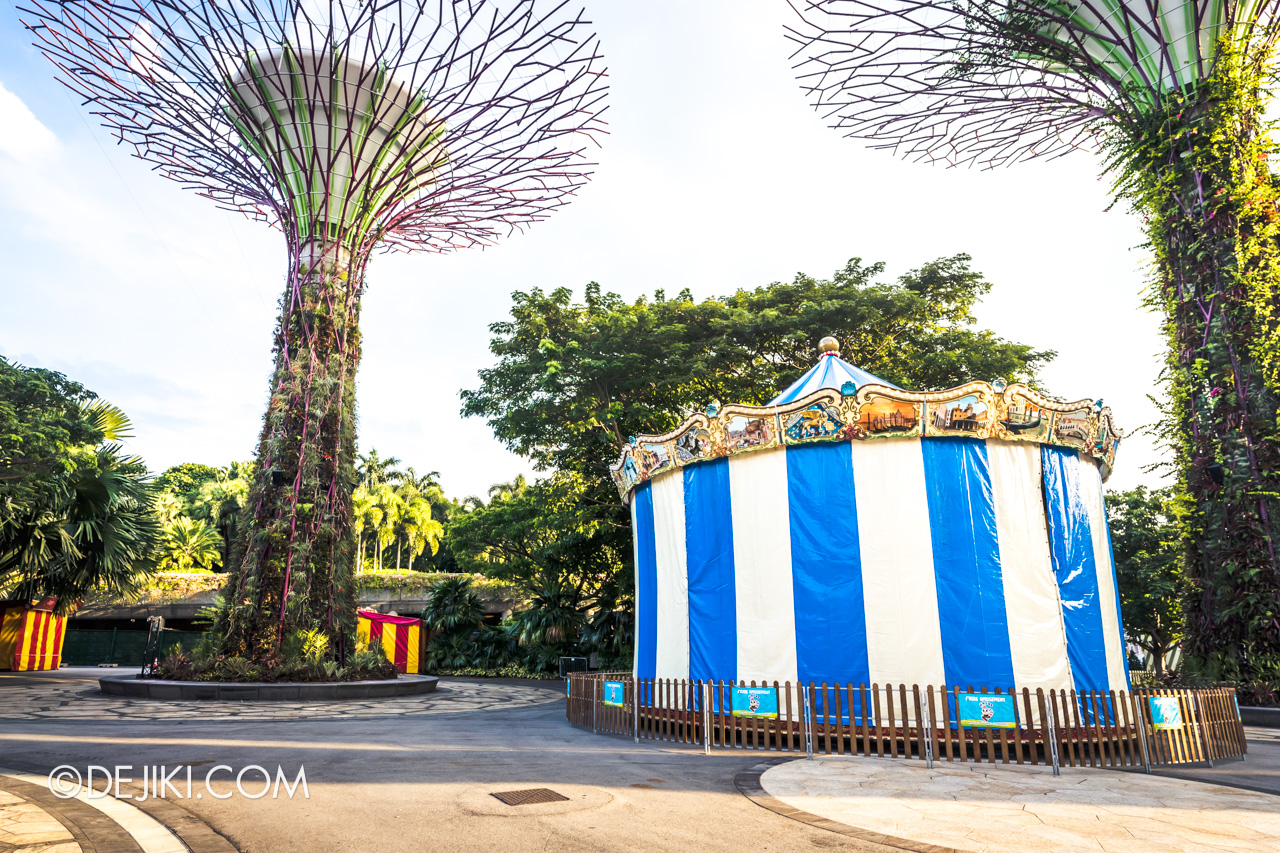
987	711
755	702
1166	713
613	694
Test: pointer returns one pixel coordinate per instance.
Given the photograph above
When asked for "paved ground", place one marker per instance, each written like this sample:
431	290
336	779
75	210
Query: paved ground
402	774
418	779
1008	809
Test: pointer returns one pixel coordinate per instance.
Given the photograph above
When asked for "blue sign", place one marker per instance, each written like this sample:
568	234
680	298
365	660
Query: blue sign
983	710
1166	713
755	702
613	694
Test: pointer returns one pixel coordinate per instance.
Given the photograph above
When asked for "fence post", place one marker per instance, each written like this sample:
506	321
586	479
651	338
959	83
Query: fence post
1052	724
706	718
808	730
1198	711
926	731
1140	710
595	701
635	708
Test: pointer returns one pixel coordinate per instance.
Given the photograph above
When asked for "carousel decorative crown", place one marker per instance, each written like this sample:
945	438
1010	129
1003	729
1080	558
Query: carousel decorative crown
836	401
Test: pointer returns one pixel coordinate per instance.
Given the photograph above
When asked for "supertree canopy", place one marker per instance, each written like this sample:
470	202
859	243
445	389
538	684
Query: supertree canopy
349	125
1173	94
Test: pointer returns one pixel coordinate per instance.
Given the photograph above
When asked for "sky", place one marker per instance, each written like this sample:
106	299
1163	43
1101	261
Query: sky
716	175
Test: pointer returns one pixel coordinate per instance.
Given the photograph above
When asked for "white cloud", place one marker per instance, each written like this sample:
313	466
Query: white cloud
24	138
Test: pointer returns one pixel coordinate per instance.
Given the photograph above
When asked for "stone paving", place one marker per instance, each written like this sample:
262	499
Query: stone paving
69	699
1003	809
25	827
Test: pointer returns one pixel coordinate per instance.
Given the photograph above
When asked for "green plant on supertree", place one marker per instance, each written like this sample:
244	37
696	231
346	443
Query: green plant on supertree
349	125
1174	95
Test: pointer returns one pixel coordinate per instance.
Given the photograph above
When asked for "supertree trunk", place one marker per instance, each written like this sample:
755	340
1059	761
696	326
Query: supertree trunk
297	541
1198	171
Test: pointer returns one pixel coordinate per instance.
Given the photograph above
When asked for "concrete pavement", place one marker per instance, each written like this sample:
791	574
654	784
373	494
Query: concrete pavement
418	773
416	779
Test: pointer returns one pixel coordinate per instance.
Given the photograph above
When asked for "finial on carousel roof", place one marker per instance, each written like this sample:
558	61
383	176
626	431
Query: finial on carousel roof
829	346
999	384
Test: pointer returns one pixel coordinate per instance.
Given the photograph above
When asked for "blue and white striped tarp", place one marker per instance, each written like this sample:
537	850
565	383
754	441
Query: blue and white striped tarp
920	561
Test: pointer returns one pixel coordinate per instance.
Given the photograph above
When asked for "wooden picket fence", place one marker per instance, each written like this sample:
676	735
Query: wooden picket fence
1074	729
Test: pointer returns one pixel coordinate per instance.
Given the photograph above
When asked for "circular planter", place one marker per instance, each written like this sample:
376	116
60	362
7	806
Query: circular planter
148	688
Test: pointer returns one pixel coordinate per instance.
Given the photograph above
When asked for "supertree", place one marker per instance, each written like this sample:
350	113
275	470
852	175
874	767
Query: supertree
1173	95
349	125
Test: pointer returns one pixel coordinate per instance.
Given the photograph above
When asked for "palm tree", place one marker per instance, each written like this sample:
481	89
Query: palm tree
91	528
417	524
374	470
190	543
221	501
390	507
366	514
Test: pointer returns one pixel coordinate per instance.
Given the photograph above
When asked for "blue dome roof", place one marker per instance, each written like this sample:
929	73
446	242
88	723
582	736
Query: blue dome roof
831	371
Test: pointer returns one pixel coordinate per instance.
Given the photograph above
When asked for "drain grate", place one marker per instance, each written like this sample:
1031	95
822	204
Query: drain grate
529	796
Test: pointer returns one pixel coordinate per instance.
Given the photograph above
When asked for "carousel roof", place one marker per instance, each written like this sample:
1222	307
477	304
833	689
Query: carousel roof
832	372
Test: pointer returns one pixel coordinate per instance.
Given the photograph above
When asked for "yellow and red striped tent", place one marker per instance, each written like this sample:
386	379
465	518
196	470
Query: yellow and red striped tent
30	635
399	636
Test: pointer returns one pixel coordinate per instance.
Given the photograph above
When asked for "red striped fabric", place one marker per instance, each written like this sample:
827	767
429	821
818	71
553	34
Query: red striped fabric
402	648
36	625
57	643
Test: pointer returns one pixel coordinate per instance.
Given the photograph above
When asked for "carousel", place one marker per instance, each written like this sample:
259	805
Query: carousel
853	532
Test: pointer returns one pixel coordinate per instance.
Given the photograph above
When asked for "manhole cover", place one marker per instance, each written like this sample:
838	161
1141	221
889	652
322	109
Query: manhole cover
530	795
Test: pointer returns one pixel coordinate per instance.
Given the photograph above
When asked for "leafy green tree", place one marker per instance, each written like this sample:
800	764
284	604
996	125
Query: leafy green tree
188	544
185	481
574	380
221	501
1144	541
44	433
85	520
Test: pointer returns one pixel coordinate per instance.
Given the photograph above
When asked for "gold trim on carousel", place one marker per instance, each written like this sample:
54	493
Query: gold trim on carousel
1014	413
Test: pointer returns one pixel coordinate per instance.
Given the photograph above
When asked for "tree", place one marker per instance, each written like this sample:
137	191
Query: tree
1177	95
574	380
186	480
222	500
373	470
43	429
189	543
1144	542
84	520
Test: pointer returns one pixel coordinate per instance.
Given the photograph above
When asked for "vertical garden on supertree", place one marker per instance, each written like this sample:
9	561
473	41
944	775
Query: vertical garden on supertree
1173	94
349	125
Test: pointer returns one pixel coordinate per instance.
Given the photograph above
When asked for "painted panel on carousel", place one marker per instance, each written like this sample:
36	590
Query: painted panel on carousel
655	457
969	415
814	422
626	473
1026	419
1071	429
748	428
884	417
693	444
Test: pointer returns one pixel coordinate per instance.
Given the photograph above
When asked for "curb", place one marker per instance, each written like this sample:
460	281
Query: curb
1267	718
138	688
748	784
96	832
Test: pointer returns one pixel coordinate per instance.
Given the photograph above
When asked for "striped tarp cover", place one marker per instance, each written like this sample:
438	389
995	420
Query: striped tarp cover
30	639
920	561
398	635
